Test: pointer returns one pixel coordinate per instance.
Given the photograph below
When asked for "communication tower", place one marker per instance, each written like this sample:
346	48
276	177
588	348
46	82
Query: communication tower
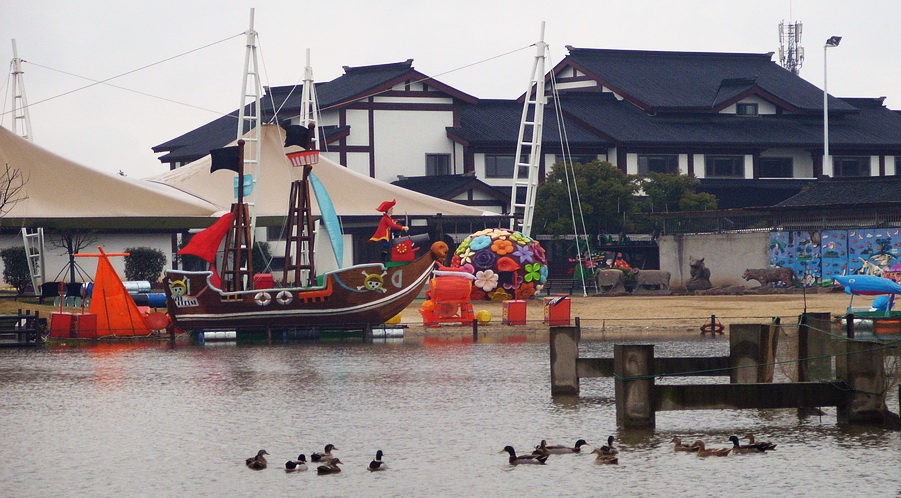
791	53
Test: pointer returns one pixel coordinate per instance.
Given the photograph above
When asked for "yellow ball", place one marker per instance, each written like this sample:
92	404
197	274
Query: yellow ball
394	320
483	316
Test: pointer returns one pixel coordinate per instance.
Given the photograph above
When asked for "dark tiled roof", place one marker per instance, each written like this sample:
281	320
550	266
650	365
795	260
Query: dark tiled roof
667	81
496	122
741	193
851	192
873	125
446	186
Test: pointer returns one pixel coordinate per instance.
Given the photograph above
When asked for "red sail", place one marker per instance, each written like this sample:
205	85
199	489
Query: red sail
205	244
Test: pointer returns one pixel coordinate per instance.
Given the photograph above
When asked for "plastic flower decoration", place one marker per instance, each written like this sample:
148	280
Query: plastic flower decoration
466	255
524	254
484	259
533	272
538	251
480	242
520	238
525	291
486	280
499	295
502	247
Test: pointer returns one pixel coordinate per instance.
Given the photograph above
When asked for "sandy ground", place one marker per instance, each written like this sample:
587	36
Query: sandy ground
650	315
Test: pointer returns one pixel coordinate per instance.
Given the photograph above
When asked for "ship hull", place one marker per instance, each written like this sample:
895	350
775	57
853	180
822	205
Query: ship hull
350	298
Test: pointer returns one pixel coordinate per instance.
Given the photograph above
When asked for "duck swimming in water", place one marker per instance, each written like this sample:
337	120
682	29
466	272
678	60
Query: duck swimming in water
604	458
765	445
680	446
704	452
296	465
377	464
558	449
257	462
325	456
524	459
330	468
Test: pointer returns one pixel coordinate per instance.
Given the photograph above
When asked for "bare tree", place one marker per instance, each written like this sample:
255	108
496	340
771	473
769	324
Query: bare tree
72	241
12	185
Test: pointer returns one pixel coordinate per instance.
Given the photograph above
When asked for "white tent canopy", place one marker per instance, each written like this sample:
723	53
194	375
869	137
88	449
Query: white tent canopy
57	188
352	193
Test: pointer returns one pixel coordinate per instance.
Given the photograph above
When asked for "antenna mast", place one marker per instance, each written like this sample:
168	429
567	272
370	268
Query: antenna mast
20	103
791	53
249	115
530	133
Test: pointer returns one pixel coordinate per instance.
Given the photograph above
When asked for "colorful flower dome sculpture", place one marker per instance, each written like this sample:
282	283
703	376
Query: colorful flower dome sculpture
506	264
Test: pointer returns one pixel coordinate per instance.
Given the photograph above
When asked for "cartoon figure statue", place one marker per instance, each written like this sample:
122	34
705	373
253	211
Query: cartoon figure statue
382	234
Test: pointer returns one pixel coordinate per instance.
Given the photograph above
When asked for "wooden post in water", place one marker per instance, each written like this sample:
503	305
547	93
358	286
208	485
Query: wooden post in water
633	369
564	345
866	378
813	342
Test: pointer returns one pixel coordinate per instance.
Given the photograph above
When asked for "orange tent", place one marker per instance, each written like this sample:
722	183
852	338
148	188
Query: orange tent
117	313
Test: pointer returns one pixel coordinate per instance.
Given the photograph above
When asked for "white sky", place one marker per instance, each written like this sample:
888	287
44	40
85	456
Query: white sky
111	129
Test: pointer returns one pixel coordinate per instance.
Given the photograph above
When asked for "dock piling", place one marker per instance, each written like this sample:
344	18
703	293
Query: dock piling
633	370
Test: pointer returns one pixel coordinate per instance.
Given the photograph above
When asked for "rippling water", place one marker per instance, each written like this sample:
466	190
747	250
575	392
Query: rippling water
155	420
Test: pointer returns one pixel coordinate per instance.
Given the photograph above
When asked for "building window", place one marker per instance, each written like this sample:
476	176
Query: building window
746	109
275	233
850	166
897	165
776	167
724	166
437	164
583	159
499	166
657	163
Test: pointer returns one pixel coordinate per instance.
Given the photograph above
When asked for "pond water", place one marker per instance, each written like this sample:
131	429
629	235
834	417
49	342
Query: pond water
161	420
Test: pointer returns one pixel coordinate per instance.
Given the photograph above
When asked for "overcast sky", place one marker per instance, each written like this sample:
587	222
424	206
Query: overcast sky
461	43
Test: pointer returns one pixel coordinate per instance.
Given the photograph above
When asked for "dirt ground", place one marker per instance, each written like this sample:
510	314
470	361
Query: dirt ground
646	315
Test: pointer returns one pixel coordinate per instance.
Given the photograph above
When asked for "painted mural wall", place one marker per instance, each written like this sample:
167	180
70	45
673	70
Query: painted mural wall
817	257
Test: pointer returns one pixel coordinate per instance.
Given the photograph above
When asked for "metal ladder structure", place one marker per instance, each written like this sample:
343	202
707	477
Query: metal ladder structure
33	238
19	101
522	197
309	105
250	123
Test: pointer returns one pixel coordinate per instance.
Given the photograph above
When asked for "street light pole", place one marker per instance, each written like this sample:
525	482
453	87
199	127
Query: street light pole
833	41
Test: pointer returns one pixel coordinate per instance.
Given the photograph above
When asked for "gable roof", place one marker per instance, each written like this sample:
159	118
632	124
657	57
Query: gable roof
496	123
847	192
694	81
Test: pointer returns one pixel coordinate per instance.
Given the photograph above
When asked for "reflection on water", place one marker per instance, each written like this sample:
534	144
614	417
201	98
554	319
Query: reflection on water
157	420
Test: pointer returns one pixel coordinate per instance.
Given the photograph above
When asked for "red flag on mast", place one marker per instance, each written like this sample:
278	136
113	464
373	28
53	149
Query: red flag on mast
205	244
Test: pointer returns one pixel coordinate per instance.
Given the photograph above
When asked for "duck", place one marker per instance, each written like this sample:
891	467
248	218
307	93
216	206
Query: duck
325	456
330	468
680	446
296	465
524	459
257	462
377	464
704	452
558	449
541	449
610	445
764	445
604	458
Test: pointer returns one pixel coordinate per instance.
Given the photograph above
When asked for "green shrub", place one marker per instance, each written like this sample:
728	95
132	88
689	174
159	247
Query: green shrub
15	268
144	263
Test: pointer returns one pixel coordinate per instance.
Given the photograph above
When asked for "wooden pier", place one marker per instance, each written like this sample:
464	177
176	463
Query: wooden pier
855	389
22	330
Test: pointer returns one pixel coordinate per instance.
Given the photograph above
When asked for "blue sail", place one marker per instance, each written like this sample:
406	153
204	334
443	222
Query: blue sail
329	218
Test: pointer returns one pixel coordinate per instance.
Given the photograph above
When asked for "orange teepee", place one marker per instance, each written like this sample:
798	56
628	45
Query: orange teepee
117	313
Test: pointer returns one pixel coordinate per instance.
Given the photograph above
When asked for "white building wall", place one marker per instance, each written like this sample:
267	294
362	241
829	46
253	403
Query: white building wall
359	162
726	255
802	161
402	144
874	165
358	120
890	166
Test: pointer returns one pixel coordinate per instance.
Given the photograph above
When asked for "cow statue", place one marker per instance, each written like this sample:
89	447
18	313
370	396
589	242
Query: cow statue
611	281
651	282
781	277
700	275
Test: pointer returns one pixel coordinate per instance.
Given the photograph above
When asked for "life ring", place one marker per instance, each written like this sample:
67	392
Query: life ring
262	298
712	328
284	297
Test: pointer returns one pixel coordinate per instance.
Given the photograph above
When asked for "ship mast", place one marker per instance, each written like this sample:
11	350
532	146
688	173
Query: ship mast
522	199
20	102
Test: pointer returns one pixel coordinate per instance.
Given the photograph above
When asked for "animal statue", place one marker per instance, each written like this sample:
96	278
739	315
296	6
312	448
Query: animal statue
783	277
869	268
610	281
651	281
700	275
